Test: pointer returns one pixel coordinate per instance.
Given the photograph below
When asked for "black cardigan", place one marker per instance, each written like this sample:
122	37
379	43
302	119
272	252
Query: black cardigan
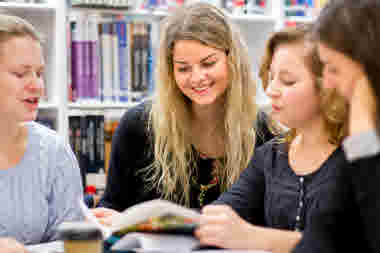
270	194
132	150
354	224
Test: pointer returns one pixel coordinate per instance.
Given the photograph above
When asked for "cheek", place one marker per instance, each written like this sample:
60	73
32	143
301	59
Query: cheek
180	80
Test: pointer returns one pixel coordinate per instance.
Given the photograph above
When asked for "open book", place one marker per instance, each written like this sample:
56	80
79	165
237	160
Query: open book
155	216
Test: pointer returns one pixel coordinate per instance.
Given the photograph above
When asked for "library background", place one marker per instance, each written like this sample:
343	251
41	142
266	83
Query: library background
100	57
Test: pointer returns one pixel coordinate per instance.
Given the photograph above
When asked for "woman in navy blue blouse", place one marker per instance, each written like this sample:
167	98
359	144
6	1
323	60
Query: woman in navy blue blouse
289	178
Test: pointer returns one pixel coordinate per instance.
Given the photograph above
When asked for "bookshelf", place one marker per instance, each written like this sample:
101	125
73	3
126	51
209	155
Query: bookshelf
54	19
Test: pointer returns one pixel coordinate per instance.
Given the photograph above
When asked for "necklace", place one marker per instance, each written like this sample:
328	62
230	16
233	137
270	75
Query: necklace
204	188
312	165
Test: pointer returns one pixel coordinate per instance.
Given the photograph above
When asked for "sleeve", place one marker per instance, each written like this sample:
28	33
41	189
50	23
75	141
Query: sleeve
127	155
66	190
365	181
246	196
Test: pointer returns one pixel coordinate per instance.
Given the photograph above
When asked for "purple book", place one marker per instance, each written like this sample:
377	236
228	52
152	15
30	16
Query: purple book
77	61
94	60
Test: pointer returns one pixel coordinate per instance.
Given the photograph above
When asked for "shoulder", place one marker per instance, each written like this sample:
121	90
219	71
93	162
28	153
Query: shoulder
43	136
266	152
271	147
137	116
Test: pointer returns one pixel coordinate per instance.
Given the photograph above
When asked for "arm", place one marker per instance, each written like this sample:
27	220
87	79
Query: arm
222	227
10	245
128	155
246	196
66	190
365	177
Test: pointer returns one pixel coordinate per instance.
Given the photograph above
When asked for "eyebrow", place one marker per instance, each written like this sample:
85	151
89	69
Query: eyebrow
204	59
42	66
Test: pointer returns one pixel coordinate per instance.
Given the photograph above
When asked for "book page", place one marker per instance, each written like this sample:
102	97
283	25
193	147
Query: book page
154	208
156	242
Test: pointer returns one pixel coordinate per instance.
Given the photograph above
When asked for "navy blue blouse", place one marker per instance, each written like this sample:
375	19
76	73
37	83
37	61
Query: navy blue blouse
269	193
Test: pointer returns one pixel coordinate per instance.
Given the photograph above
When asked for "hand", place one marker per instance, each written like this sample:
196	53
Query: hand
105	215
362	109
220	226
10	245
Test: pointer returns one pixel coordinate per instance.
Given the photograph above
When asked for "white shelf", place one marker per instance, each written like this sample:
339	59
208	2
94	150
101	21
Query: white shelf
47	105
299	19
161	14
101	106
249	18
28	7
123	12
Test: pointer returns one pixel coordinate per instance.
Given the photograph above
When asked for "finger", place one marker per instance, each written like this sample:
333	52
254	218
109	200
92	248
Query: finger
215	209
219	218
103	212
105	221
210	235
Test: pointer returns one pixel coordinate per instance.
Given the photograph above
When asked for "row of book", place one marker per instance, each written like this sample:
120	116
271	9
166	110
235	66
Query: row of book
303	8
111	60
90	138
234	6
102	3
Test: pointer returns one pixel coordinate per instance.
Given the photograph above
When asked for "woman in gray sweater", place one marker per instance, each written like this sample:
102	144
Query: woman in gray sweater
39	176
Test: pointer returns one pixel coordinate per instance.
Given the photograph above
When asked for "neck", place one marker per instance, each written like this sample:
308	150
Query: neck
313	135
10	134
208	114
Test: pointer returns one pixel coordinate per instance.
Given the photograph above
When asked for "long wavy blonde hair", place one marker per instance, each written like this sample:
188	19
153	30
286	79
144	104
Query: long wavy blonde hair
170	116
334	107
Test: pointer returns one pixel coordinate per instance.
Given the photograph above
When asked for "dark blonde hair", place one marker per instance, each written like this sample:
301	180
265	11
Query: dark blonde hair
13	26
334	107
170	117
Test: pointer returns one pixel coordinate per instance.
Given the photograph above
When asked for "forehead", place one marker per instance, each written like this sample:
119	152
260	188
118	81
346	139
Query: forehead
191	50
290	56
21	50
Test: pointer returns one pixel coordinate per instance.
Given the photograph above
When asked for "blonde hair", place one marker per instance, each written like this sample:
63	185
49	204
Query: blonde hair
13	26
170	116
334	107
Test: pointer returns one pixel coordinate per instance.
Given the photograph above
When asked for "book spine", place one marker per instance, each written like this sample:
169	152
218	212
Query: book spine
90	142
100	142
94	59
115	64
144	59
121	29
86	61
107	62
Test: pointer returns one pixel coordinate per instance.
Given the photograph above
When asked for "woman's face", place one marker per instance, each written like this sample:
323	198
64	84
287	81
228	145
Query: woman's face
21	78
201	72
339	71
295	100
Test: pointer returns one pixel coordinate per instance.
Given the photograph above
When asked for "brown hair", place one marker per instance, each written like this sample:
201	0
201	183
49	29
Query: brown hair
352	27
334	107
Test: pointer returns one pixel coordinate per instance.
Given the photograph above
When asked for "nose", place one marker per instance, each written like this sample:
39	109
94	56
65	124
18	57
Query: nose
36	84
273	91
197	75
